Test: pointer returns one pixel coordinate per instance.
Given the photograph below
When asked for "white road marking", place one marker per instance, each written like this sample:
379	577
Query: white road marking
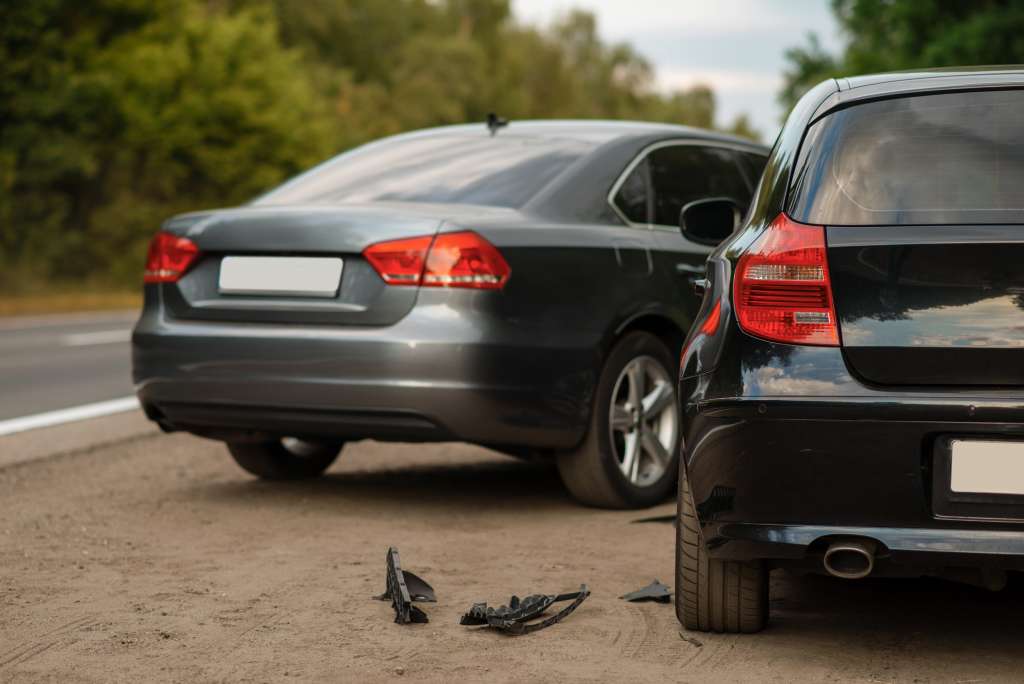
42	321
100	337
68	415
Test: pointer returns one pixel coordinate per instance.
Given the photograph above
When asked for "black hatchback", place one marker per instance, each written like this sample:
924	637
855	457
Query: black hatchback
853	388
523	287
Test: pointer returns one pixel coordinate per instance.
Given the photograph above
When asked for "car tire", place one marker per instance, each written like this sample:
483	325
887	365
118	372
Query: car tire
596	472
284	459
715	595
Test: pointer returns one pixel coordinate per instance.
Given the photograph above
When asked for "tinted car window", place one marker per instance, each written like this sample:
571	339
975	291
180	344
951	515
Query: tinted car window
634	195
504	170
754	165
681	174
929	159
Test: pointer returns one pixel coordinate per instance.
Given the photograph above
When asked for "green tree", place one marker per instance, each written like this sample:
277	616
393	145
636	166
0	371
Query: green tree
117	113
888	35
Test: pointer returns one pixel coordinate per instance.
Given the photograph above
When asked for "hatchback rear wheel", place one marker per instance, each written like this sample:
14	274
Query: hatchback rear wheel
630	454
714	595
287	458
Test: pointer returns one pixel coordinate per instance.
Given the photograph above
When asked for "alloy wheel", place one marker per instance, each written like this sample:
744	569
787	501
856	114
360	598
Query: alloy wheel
644	421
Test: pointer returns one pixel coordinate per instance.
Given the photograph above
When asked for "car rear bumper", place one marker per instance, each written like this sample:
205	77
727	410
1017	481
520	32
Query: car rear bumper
438	374
910	546
777	477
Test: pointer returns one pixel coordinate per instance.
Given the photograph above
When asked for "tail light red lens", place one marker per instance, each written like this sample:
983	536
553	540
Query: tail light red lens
399	262
465	260
462	259
169	257
782	290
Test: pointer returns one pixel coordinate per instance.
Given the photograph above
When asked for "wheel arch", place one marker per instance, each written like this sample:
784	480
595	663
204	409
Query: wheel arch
656	323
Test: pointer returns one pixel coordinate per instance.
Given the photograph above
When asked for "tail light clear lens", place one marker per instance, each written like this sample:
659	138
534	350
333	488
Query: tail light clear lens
462	259
782	290
168	258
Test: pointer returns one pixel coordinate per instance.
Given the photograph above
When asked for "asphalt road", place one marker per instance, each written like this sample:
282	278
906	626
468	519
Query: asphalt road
56	362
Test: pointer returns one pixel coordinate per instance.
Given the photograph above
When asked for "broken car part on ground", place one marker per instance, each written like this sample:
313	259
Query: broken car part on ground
403	587
515	617
655	591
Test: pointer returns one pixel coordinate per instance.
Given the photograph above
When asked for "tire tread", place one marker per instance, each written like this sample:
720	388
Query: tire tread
715	595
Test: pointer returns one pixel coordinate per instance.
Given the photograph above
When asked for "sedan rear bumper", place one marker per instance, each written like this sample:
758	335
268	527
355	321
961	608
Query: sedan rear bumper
435	375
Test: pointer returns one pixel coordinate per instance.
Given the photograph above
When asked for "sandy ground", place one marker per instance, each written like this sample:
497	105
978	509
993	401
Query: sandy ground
153	558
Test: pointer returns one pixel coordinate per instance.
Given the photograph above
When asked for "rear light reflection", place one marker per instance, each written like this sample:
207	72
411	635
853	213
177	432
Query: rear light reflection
464	260
707	329
168	258
783	291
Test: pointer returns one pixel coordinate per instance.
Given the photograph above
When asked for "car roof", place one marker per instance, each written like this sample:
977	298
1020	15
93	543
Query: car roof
856	89
938	78
597	131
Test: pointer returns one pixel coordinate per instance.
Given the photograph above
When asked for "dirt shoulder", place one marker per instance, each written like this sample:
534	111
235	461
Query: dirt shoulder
155	559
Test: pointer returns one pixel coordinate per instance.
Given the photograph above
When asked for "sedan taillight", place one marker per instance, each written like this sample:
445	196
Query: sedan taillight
782	290
168	258
463	259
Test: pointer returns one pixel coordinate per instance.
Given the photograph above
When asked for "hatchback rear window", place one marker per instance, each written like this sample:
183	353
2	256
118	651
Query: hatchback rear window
505	170
929	159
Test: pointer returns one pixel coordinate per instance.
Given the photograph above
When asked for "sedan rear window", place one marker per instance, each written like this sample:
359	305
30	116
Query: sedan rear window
505	170
929	159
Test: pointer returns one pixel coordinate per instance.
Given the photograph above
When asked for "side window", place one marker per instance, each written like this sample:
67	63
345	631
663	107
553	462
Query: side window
754	164
681	174
634	196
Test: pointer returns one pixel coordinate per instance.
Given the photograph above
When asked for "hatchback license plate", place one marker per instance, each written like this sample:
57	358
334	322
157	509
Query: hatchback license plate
987	467
282	276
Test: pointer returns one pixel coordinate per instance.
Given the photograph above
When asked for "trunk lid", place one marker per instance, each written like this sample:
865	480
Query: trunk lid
297	231
930	305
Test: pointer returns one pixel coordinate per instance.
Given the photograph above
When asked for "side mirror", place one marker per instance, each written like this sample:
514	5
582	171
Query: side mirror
709	221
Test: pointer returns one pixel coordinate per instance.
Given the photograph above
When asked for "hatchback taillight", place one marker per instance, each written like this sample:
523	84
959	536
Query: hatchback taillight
462	259
782	288
168	258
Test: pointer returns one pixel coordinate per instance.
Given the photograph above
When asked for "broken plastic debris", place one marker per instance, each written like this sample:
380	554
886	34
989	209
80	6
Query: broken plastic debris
655	591
658	519
403	587
516	616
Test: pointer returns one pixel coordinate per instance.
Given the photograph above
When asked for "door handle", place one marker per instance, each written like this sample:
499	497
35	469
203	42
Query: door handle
695	274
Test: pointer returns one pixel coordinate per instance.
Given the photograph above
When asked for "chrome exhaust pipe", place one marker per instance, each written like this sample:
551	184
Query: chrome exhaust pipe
850	558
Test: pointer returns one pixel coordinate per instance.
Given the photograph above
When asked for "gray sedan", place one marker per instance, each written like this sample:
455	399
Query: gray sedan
524	288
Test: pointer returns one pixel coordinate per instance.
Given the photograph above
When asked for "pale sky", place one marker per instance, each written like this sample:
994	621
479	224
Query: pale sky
734	46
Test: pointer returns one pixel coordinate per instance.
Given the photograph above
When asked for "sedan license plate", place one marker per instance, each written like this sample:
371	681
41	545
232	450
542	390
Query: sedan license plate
991	467
281	276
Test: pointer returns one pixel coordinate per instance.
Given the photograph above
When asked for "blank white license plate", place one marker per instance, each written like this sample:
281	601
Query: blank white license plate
987	467
301	276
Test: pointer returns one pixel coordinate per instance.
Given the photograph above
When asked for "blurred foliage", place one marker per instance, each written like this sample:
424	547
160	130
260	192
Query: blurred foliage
889	35
115	114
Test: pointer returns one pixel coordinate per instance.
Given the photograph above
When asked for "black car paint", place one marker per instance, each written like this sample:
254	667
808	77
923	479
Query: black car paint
514	368
790	446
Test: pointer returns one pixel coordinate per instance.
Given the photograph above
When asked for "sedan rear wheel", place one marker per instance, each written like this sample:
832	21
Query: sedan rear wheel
630	455
285	459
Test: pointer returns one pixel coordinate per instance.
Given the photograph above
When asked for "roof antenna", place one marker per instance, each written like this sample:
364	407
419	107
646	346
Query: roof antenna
494	122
